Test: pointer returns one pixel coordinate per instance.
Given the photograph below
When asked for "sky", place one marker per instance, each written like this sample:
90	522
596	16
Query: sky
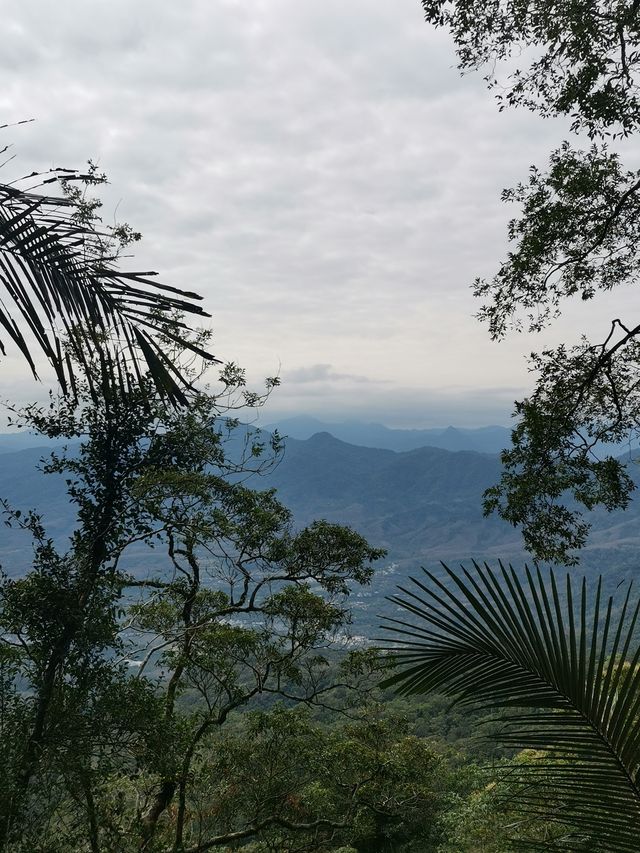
319	172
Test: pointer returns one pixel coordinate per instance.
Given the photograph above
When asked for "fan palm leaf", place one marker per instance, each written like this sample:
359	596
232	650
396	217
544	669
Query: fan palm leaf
58	279
567	668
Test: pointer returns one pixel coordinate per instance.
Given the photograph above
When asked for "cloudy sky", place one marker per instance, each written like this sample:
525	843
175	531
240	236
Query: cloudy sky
319	172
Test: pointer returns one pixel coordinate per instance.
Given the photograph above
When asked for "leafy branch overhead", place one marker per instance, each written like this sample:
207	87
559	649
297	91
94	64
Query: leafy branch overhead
566	666
60	279
579	60
576	235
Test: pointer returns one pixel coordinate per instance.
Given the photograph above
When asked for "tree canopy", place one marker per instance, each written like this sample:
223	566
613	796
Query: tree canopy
560	662
569	59
116	677
576	236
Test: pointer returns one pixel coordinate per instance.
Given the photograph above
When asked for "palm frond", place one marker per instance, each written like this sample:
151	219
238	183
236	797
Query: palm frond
56	280
567	664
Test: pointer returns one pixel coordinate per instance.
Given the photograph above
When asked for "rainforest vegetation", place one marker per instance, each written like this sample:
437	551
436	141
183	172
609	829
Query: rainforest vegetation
217	700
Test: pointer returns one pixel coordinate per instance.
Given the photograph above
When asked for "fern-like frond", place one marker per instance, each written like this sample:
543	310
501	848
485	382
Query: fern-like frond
57	281
567	665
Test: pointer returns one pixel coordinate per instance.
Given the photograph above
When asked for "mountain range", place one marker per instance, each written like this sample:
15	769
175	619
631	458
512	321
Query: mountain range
424	502
488	439
422	505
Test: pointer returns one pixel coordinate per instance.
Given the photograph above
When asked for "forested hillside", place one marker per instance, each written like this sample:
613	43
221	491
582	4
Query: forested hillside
420	504
321	637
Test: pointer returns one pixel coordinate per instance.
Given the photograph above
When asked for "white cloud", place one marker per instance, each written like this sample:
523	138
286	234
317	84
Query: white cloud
320	373
319	172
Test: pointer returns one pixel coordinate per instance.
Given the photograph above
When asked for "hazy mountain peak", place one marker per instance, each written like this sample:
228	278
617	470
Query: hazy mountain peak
323	437
374	435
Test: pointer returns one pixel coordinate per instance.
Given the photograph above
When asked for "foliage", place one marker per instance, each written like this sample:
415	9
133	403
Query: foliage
571	682
366	785
576	235
60	276
567	671
115	683
567	58
488	817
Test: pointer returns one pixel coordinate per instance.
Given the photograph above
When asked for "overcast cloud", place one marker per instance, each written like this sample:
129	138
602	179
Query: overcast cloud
318	171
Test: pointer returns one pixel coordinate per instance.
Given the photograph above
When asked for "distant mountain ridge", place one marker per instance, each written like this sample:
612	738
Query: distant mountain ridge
421	504
488	439
12	442
424	505
416	503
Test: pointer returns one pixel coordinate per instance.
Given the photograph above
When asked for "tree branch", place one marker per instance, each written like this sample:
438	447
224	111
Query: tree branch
229	837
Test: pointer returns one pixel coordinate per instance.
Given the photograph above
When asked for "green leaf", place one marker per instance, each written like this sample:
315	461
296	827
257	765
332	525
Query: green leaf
59	278
569	667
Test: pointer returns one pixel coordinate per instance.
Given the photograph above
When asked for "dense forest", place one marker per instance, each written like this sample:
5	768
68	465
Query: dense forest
223	698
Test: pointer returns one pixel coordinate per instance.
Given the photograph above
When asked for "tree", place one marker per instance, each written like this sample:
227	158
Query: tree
577	235
579	61
365	784
60	277
568	669
487	819
565	666
242	608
